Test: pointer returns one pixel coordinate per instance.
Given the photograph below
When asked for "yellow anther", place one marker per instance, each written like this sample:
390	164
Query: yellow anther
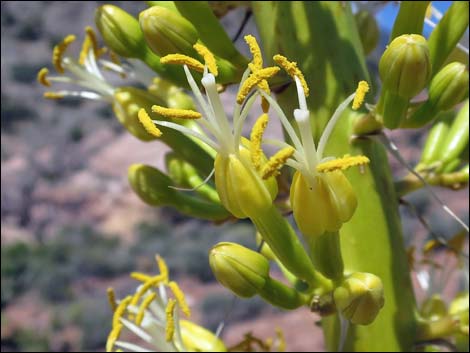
89	43
145	304
180	59
255	51
42	77
112	299
271	168
170	320
113	337
59	51
139	276
142	290
162	267
148	124
209	58
291	68
342	163
281	341
53	95
256	137
253	80
362	89
176	113
121	309
179	295
264	86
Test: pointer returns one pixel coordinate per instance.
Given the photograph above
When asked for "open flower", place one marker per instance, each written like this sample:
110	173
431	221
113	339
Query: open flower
153	315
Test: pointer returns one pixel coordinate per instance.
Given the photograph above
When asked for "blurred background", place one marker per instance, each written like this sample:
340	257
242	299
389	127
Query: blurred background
71	226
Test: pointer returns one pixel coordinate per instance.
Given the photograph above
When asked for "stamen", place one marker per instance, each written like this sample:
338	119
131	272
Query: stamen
255	51
253	80
112	298
142	277
59	51
142	290
42	77
148	124
209	58
162	267
256	137
179	295
145	304
291	68
176	113
271	168
121	309
170	320
113	337
53	95
180	59
362	89
342	163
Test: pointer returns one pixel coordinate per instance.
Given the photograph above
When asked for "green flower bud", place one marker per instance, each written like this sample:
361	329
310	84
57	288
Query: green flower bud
167	32
120	31
360	297
433	308
405	67
197	339
368	30
241	189
173	95
239	269
322	205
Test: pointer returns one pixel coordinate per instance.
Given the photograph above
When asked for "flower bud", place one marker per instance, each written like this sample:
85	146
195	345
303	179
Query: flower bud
322	204
368	30
239	269
449	87
405	67
241	189
360	297
120	31
197	339
173	95
167	32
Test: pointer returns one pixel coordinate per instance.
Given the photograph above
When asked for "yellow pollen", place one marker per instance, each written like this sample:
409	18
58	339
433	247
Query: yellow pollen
113	337
209	58
264	86
53	95
170	320
291	68
42	77
89	42
362	89
112	299
148	124
271	168
342	163
180	59
121	309
145	304
179	295
256	137
254	79
59	51
142	290
255	51
162	267
176	113
139	276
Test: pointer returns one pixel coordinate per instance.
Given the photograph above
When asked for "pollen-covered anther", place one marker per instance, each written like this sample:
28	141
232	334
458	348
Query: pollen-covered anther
170	320
148	124
275	163
179	295
111	298
113	337
342	163
362	89
209	58
253	80
180	59
176	113
141	277
145	304
255	51
42	77
142	290
53	95
59	51
291	68
256	137
90	42
121	309
162	267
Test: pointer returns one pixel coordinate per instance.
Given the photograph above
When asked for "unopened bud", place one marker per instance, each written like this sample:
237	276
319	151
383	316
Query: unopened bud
368	30
360	298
